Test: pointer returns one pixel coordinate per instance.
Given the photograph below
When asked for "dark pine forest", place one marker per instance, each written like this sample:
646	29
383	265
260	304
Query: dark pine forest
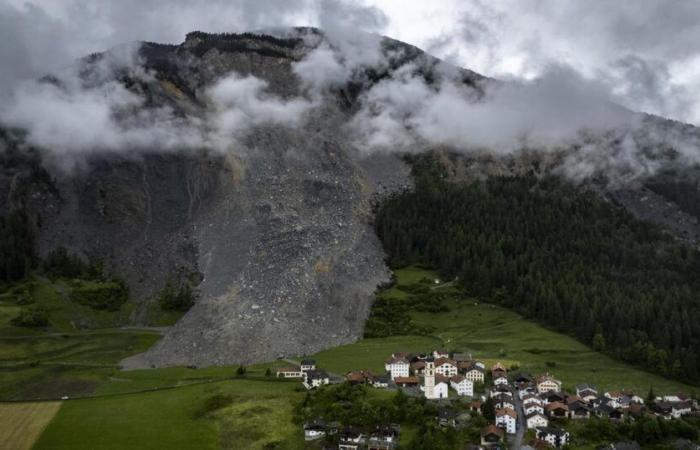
557	254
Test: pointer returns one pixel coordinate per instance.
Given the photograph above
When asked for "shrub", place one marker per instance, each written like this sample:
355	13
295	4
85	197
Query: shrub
31	317
108	296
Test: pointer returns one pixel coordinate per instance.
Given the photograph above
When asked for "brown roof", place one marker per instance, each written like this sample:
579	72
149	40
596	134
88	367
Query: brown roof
491	429
475	404
441	361
441	379
359	376
396	359
457	378
498	366
288	369
506	412
556	405
406	380
539	444
546	377
573	399
417	365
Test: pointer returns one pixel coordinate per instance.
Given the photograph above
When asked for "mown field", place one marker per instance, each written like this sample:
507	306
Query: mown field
21	424
493	334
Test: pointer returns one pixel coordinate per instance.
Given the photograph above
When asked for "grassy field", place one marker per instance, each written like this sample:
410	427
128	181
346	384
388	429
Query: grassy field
259	415
21	424
495	334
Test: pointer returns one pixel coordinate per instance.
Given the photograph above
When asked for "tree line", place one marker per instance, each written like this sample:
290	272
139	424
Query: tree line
558	254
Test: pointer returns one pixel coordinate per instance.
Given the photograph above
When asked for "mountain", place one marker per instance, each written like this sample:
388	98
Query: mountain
275	230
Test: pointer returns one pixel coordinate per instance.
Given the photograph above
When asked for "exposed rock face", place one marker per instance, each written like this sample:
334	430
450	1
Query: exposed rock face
278	228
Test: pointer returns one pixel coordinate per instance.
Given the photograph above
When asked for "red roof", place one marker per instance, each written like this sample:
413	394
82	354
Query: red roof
491	429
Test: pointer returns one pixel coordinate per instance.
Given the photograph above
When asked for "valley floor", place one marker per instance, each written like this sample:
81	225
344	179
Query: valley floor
172	408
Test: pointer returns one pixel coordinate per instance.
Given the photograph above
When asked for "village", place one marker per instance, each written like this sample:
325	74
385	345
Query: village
526	412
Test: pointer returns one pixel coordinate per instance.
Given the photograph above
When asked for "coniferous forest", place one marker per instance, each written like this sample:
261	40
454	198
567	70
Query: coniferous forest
557	254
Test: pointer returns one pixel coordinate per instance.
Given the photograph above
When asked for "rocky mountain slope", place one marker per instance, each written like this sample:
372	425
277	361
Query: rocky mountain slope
274	230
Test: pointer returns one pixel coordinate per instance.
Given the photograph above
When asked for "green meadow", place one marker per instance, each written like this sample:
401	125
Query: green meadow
493	334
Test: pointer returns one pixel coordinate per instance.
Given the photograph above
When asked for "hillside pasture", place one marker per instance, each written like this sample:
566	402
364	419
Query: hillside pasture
21	424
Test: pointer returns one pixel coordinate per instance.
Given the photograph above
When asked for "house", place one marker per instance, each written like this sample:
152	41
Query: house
551	397
507	419
500	390
491	435
463	386
358	377
636	410
530	399
532	408
314	430
547	383
289	372
579	410
503	401
315	378
383	438
587	392
445	367
605	410
554	436
475	406
536	419
418	367
474	373
441	353
308	364
680	409
350	439
381	381
525	390
522	379
498	370
500	381
622	399
407	381
397	366
447	417
557	409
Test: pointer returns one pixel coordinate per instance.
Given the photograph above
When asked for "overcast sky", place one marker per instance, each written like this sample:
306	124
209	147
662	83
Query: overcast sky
646	53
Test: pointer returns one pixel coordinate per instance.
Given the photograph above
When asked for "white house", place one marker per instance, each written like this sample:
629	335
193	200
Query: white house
445	367
507	419
532	408
474	373
500	381
547	383
587	392
440	353
555	436
314	430
315	378
397	366
680	409
308	364
463	386
289	372
536	419
503	402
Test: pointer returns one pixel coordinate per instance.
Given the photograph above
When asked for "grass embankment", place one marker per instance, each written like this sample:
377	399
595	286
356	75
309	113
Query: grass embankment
492	334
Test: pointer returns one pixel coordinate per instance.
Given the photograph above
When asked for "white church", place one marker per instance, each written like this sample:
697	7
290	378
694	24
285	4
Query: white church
433	388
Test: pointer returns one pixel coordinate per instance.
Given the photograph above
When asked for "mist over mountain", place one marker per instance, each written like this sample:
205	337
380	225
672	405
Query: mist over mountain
248	163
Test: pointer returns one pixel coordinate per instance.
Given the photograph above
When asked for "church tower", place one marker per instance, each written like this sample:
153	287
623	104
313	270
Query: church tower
429	379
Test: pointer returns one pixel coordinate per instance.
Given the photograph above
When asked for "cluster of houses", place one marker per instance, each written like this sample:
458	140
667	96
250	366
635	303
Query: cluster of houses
520	400
310	376
348	438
